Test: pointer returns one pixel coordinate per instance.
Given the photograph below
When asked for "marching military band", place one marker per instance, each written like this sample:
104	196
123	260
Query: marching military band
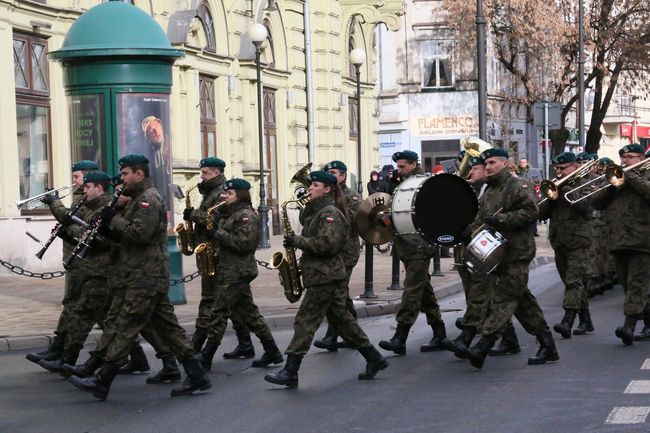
598	229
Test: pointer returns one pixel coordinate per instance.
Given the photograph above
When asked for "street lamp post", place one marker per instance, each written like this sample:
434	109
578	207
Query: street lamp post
481	63
257	34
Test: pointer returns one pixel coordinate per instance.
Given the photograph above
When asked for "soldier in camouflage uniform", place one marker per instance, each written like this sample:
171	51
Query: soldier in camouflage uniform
605	262
570	233
211	188
323	237
141	228
236	239
352	249
514	199
418	295
628	207
72	289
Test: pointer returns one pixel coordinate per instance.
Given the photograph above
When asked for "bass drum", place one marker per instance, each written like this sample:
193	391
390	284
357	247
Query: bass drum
436	209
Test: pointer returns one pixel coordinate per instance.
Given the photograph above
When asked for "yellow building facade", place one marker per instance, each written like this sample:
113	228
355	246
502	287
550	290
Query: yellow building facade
309	112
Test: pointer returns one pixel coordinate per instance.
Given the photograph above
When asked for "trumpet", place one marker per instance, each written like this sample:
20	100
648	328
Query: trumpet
35	201
550	189
614	176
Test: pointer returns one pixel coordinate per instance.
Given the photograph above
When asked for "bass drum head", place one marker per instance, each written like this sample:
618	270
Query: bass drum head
445	205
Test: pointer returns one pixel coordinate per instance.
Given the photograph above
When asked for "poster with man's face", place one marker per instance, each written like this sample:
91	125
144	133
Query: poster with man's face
143	128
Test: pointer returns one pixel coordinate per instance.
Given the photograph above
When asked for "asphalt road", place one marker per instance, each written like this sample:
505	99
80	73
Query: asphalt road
419	392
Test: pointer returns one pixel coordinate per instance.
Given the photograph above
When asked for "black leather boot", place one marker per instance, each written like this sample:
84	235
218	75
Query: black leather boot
584	323
198	339
547	351
374	362
509	344
196	379
206	355
54	350
459	323
99	383
478	352
84	370
564	327
626	332
329	341
644	335
137	362
439	334
397	344
244	347
169	372
272	355
56	365
288	376
459	344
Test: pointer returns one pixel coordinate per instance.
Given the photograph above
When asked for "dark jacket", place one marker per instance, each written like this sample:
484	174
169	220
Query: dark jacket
211	191
237	237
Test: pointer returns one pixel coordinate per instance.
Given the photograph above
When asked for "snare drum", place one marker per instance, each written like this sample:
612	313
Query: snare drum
485	251
436	209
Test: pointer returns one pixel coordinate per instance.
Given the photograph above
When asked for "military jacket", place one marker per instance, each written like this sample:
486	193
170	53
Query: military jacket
211	191
237	237
59	210
323	237
519	212
352	247
571	225
142	230
413	248
627	209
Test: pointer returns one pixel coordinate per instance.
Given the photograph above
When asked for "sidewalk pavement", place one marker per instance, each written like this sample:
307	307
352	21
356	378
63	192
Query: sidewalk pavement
30	307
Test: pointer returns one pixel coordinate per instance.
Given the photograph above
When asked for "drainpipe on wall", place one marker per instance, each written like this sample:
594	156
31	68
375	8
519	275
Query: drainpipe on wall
309	84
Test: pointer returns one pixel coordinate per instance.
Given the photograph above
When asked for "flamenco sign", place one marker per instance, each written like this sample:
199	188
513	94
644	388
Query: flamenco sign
444	125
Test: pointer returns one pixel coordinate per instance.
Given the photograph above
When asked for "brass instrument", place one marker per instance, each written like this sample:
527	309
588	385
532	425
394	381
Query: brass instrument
474	146
302	181
185	230
35	201
614	176
205	252
286	263
550	189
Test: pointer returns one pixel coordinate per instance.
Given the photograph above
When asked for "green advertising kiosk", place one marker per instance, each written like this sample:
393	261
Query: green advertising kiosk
117	64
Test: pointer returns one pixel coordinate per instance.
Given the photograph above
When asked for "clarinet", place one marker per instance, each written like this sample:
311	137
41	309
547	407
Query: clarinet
56	231
88	238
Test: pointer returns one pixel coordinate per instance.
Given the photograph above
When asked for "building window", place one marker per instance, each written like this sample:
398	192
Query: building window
32	114
436	64
352	115
204	15
208	118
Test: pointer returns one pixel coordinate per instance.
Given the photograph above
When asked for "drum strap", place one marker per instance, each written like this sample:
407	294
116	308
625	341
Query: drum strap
483	188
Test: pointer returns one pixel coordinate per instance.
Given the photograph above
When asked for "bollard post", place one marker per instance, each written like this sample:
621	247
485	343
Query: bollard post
394	284
436	263
368	292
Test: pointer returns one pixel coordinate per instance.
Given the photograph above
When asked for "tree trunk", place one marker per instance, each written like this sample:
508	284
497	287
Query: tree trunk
559	138
592	143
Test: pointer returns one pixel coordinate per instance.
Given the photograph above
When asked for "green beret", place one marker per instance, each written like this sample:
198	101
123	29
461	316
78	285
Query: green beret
97	176
632	148
564	158
84	165
593	156
582	156
338	165
495	151
131	160
322	176
460	155
212	162
408	155
236	183
606	161
476	160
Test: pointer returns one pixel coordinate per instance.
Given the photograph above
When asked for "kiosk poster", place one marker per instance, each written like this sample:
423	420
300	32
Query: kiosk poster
143	128
87	128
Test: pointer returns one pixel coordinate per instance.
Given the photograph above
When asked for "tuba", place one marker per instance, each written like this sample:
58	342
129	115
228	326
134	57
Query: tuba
302	182
185	230
474	146
205	251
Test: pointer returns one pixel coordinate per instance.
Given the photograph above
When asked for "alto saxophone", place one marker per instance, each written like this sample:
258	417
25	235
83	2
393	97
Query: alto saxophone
286	263
185	230
205	251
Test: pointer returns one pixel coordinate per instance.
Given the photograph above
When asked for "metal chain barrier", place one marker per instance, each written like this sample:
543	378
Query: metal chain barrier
378	247
264	264
185	279
24	272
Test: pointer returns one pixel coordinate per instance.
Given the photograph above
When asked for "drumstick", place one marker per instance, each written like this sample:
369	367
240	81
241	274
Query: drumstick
482	226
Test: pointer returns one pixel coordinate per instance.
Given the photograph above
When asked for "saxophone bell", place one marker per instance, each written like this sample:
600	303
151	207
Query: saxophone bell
206	260
185	230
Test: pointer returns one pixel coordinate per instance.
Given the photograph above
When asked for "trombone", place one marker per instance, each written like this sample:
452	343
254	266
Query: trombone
614	176
35	201
550	189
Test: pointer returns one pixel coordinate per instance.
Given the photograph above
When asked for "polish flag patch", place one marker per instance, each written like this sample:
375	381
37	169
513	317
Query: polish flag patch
144	205
329	220
245	219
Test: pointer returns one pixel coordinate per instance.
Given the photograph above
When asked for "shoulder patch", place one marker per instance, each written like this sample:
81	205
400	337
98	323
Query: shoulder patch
524	185
144	205
245	219
329	220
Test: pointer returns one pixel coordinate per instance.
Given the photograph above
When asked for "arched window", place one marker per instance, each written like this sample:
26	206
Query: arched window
204	15
352	70
269	51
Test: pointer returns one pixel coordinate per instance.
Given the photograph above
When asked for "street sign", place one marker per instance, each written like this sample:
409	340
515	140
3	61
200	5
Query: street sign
554	113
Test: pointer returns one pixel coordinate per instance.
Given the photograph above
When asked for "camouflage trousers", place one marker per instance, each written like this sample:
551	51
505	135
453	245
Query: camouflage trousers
634	273
327	300
512	297
90	309
418	294
211	315
573	270
478	291
235	301
71	295
138	310
349	304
